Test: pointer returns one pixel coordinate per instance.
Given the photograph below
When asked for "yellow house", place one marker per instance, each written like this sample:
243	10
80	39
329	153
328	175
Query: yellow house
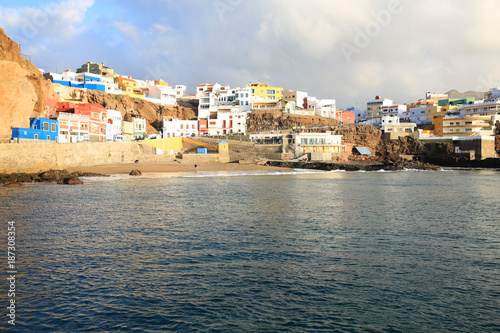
222	146
129	87
128	130
264	91
463	126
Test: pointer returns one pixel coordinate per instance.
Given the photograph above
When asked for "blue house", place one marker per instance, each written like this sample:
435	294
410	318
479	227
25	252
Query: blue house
80	80
40	129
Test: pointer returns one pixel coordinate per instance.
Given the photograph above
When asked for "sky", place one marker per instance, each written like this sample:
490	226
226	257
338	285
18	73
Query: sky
350	51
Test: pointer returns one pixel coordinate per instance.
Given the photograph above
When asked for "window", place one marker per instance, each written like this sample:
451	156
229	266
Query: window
36	136
467	130
53	127
45	126
468	123
247	102
48	137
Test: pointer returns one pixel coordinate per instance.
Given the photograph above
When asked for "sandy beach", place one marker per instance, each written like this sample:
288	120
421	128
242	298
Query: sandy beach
125	168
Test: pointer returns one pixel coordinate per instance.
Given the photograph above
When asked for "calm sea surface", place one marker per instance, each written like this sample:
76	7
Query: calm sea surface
253	252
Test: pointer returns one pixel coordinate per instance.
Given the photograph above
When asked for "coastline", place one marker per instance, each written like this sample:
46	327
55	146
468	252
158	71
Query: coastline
169	167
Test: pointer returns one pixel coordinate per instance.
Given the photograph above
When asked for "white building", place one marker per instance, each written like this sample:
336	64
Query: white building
227	122
180	91
490	108
209	88
161	93
111	86
115	119
394	110
374	107
208	97
318	143
359	114
393	124
244	99
298	97
321	107
176	127
416	115
326	108
139	127
206	105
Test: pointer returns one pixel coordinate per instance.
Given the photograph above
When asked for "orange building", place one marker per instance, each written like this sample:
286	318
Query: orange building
347	117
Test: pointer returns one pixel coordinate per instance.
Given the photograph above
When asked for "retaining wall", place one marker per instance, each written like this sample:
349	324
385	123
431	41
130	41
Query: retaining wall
32	157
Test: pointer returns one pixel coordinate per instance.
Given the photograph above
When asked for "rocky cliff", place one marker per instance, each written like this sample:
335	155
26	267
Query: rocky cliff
268	120
23	90
367	136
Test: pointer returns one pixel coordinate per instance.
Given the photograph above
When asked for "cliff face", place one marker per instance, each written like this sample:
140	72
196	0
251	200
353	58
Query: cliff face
359	136
126	105
269	120
23	89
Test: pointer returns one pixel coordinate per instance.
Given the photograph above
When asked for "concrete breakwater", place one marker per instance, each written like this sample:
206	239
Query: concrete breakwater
31	157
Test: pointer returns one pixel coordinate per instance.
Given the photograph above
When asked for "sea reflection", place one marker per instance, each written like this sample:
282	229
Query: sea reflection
356	252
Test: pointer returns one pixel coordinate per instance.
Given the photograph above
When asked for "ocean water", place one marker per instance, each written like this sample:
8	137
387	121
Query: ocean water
257	252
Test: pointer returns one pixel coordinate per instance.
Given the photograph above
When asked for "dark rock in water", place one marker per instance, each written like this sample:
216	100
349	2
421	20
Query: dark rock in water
70	181
53	175
135	172
17	184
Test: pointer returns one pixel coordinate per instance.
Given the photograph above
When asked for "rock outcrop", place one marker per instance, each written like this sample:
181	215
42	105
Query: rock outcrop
391	150
367	136
268	120
59	176
23	89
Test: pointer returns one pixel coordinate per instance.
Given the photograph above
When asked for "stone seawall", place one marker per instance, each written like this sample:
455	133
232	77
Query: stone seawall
31	157
204	158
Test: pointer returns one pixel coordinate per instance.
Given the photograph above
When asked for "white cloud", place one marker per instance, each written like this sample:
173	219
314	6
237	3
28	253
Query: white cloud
54	22
422	46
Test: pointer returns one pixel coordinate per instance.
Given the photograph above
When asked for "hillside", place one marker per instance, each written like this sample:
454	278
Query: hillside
128	106
264	120
454	94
